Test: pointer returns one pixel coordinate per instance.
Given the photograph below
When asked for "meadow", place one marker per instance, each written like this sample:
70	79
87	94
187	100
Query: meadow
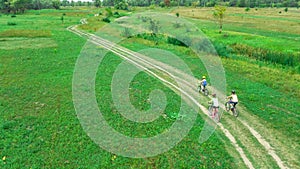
39	126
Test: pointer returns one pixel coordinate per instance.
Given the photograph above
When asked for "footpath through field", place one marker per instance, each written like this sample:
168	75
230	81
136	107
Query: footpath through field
254	150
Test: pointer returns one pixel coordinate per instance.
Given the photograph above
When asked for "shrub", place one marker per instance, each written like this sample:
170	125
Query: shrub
144	18
176	25
162	4
11	23
116	13
126	33
175	41
109	12
13	16
106	20
283	58
247	9
177	14
152	6
286	9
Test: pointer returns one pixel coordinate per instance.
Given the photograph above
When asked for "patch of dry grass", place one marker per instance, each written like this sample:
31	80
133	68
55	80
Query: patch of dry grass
25	33
263	18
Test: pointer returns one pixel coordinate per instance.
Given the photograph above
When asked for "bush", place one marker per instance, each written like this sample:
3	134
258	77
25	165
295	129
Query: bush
106	20
162	4
176	25
286	9
126	33
247	9
144	18
283	58
177	14
11	23
13	16
175	41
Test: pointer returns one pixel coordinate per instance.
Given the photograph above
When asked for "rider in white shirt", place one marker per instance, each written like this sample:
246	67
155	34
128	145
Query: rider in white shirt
215	104
233	98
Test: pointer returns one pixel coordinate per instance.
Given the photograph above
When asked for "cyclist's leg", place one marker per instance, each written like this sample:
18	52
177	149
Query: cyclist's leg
234	104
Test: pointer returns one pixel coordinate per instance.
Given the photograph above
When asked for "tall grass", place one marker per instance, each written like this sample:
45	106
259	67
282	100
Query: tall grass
25	33
276	57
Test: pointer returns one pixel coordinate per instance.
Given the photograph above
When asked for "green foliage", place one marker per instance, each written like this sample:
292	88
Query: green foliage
106	20
97	3
177	24
219	13
109	12
144	18
247	9
127	33
154	26
175	41
177	14
286	9
62	19
11	23
56	4
288	59
121	4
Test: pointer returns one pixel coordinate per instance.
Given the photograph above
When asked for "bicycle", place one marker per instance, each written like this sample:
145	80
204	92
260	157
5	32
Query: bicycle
229	106
214	115
203	91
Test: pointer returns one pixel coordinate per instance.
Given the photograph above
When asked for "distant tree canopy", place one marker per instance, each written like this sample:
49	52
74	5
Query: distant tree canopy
19	6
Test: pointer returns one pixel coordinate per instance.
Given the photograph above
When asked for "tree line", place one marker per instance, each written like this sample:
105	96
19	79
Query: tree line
19	6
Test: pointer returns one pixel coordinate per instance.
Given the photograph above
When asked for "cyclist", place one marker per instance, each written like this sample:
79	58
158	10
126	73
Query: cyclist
203	83
215	104
233	98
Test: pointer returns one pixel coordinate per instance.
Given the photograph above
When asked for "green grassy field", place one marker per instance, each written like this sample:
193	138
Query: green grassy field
39	126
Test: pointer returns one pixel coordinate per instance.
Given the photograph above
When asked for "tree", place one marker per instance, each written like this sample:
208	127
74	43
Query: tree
64	2
56	4
121	4
97	3
167	2
219	15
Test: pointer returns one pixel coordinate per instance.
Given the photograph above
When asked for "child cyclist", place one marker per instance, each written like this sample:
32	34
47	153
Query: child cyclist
233	98
215	104
203	83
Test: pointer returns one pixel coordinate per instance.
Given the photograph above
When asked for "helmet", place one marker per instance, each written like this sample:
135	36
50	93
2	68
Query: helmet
203	77
214	95
233	91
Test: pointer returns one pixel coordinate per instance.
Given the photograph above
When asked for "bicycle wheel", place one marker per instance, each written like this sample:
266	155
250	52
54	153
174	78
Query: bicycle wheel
206	92
199	89
217	117
227	106
210	110
235	112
